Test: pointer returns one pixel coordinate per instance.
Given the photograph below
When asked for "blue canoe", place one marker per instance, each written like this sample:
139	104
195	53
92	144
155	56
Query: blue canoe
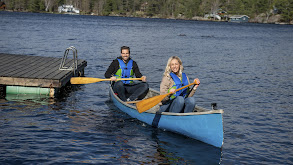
204	125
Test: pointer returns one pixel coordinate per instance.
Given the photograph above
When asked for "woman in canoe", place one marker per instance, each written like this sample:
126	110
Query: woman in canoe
174	78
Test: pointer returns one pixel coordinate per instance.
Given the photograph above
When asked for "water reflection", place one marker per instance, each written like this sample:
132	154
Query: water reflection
158	146
30	99
177	149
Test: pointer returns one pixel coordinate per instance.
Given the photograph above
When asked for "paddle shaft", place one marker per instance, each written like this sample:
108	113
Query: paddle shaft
87	80
118	79
191	90
194	83
132	102
147	104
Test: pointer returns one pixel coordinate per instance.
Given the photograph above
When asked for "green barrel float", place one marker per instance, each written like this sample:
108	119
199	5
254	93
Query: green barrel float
29	90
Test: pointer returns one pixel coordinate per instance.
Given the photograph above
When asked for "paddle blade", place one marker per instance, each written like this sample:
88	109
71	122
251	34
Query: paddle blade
85	80
147	104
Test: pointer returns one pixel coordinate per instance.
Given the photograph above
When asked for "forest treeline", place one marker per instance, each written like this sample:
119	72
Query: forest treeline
186	9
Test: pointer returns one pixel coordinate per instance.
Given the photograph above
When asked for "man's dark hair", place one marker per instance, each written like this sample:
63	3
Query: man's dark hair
125	47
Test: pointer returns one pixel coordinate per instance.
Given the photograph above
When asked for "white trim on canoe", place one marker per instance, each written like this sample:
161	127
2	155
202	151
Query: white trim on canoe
152	92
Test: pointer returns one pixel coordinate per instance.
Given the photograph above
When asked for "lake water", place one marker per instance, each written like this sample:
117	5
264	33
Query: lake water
246	68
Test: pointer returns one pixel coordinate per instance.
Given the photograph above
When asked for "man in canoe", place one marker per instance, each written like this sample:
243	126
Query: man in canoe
124	67
174	78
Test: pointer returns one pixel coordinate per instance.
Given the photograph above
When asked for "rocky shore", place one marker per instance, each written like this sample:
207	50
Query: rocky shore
262	18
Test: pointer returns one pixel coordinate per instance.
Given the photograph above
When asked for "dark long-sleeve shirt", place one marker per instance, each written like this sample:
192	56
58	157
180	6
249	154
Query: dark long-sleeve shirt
113	68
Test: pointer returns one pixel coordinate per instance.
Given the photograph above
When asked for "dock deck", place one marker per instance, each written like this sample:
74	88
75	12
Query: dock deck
36	71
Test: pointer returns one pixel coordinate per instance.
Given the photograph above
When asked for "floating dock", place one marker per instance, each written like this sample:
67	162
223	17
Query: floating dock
25	74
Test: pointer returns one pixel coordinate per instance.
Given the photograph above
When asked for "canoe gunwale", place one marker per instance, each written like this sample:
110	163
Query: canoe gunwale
204	112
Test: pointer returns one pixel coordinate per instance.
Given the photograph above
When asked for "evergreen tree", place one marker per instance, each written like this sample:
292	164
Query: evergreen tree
285	8
33	5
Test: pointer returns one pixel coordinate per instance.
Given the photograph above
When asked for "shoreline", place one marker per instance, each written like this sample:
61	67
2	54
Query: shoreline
196	18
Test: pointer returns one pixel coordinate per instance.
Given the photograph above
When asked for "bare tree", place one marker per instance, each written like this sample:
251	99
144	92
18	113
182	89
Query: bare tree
48	4
98	7
215	4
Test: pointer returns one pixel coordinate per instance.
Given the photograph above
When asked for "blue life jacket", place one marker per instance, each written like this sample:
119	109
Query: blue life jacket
125	71
178	84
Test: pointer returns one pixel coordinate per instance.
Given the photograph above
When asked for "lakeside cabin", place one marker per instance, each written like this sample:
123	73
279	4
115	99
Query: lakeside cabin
239	18
213	16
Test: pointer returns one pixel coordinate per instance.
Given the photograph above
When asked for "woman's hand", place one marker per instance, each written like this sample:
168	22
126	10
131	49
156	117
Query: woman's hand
197	82
172	90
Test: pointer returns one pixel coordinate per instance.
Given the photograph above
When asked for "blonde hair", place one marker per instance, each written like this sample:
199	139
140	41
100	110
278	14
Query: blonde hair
168	67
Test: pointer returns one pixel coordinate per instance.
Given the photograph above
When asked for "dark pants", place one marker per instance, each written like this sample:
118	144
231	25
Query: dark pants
178	105
132	91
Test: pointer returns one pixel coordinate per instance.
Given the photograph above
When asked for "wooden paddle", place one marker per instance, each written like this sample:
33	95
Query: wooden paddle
147	104
132	102
88	80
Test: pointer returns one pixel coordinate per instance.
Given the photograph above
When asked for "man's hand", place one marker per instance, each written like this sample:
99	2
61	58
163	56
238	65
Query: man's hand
113	78
143	78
